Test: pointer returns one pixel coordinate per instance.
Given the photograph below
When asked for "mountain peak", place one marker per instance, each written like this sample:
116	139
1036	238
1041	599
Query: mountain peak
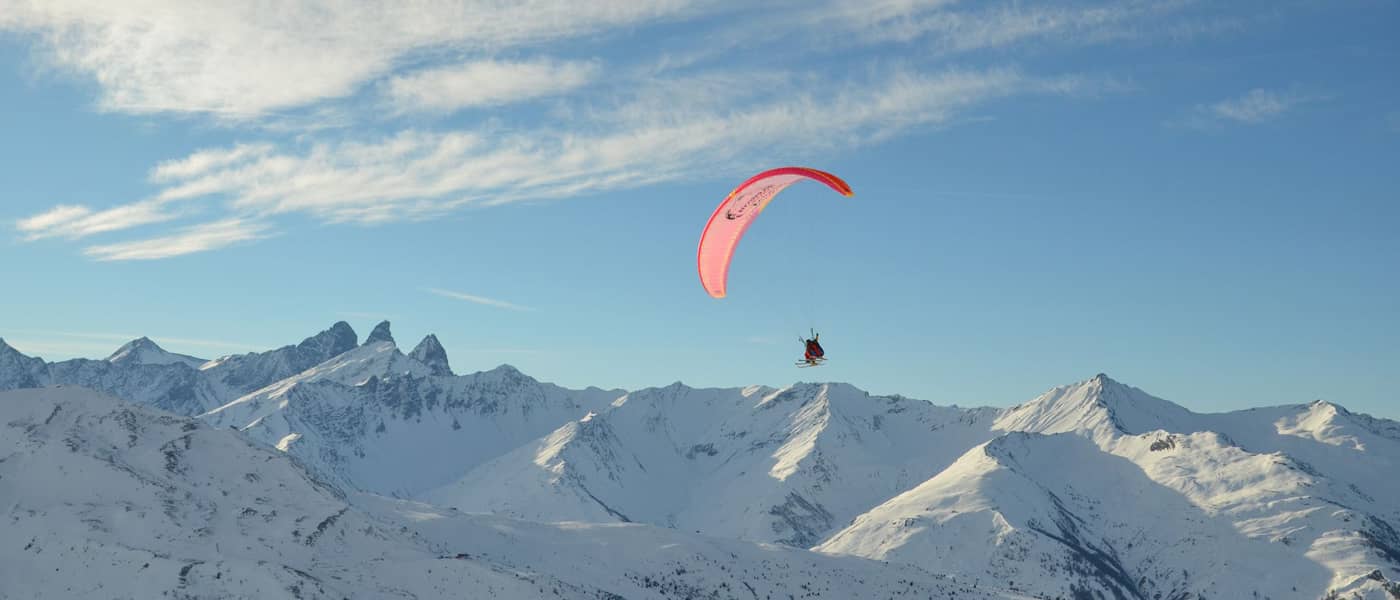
1096	404
144	351
141	343
339	338
430	352
381	333
506	369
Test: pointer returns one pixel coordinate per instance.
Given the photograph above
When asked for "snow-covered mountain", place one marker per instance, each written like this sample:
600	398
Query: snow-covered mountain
1091	490
169	382
105	499
141	371
1131	496
787	465
377	420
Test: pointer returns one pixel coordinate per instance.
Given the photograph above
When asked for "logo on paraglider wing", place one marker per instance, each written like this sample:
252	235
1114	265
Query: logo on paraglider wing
742	207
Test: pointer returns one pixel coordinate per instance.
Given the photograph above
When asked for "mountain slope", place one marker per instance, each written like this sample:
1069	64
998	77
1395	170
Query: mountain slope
105	499
786	465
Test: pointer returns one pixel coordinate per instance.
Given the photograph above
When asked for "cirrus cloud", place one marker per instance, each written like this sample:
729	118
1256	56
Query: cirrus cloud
241	60
486	83
197	238
308	83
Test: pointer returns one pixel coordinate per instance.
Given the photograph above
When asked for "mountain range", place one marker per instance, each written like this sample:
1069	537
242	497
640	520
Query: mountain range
1091	490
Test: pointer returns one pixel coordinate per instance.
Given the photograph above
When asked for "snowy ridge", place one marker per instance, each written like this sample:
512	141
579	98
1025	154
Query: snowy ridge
105	499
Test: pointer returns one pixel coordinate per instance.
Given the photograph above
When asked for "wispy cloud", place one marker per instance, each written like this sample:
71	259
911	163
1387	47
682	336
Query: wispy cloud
413	174
486	83
80	221
201	162
477	299
1256	106
240	61
951	27
667	130
1251	108
198	238
948	27
606	126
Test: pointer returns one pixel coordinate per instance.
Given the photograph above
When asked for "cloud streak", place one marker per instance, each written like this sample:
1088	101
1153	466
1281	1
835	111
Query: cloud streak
75	222
1254	107
198	238
1257	106
482	300
486	83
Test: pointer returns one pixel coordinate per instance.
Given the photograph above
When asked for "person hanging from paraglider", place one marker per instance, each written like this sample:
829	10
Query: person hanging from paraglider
812	354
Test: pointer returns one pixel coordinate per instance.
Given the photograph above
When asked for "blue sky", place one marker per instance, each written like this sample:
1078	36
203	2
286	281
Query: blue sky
1197	198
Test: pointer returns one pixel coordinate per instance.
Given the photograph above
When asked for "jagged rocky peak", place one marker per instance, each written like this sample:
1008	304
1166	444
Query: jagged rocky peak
381	333
340	338
430	352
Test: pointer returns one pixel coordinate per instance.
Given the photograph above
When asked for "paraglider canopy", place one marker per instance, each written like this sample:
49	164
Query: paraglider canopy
734	215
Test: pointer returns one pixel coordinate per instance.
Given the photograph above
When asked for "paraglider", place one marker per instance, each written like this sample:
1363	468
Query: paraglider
732	218
738	210
812	352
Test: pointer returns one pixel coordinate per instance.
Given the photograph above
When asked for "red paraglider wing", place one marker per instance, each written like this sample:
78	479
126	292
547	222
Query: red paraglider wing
733	217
